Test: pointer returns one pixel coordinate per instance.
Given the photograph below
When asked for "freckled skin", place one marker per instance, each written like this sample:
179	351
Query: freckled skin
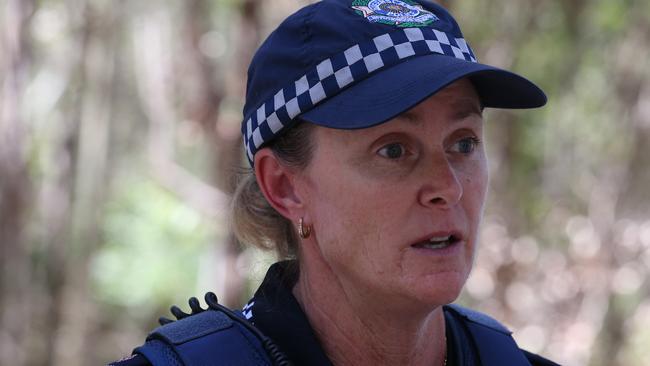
367	209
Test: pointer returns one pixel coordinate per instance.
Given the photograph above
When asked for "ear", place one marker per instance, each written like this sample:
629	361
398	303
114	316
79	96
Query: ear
277	183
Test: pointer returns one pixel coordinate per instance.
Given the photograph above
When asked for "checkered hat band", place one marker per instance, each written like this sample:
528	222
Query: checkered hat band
332	75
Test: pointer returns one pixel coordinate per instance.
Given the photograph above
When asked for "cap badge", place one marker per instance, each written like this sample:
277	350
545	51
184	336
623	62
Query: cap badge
401	13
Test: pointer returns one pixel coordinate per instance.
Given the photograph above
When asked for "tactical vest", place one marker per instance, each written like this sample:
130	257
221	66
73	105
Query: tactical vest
219	336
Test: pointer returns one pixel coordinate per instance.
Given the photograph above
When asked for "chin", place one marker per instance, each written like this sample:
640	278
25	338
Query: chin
439	289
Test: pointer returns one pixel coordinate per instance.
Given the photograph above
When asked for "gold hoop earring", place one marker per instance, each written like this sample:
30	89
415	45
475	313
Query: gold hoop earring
303	230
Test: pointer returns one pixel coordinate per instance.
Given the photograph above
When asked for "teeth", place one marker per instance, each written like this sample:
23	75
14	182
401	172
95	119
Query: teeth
437	242
442	238
436	245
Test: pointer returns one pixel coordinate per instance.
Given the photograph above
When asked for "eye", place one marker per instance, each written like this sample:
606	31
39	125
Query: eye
392	151
466	145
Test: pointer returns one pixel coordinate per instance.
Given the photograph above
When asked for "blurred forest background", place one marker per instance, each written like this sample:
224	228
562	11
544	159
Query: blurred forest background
119	148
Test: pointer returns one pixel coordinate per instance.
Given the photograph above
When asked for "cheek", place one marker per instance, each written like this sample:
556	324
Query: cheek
475	183
349	221
475	190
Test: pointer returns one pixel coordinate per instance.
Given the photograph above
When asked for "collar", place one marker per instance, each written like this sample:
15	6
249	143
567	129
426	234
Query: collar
276	312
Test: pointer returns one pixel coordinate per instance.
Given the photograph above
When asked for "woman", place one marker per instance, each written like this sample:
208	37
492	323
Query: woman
363	125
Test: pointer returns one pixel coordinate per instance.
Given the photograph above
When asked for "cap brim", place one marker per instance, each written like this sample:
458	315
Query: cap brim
388	93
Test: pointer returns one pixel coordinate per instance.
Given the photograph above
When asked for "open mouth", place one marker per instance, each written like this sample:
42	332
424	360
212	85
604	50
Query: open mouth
438	242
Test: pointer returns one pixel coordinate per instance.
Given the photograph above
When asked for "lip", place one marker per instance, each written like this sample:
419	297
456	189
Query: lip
457	234
448	251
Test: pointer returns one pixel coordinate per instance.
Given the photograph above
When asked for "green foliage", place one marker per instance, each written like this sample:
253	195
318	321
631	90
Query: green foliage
610	17
152	249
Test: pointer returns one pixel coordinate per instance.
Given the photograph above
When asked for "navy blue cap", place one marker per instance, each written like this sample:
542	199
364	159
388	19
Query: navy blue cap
357	63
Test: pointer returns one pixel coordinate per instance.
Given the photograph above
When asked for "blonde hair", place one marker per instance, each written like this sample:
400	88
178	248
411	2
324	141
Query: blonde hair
254	220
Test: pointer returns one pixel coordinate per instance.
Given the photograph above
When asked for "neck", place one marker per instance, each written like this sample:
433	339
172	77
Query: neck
356	330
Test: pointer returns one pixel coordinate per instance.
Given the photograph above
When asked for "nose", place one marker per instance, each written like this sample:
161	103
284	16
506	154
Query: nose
441	186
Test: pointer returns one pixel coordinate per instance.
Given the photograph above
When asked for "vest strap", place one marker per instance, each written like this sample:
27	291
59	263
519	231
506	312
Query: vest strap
493	341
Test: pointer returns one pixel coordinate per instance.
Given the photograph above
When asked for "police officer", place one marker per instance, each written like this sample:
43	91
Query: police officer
363	125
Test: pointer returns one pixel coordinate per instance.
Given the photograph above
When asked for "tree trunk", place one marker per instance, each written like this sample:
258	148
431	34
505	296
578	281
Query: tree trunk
15	186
